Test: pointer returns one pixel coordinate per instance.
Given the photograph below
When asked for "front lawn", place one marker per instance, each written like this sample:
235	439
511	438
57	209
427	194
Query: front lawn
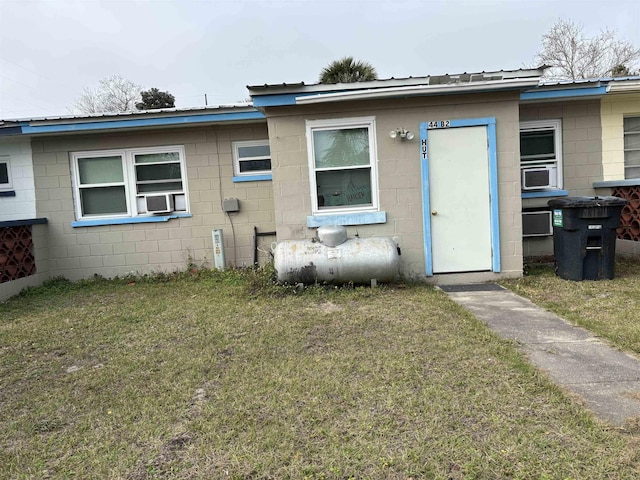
220	375
608	308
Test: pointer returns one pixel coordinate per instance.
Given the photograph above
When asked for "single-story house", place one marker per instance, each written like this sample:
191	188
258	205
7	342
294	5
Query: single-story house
458	169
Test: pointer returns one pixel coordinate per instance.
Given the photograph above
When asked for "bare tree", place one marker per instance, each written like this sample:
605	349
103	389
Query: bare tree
570	54
113	94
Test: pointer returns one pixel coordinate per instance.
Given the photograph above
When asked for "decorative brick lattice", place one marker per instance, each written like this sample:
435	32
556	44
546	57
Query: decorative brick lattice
16	253
630	219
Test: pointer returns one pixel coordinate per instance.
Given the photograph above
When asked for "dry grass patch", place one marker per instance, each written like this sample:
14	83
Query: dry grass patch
609	308
222	375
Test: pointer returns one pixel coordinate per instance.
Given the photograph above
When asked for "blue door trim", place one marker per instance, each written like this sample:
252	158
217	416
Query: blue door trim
490	123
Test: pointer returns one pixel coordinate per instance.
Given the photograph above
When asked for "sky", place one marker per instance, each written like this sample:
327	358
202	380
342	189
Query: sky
51	49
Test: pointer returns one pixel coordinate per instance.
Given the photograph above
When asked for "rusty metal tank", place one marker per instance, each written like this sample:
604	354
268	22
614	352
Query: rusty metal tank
331	257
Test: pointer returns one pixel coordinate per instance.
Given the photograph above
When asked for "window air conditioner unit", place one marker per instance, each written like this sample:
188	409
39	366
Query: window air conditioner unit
537	224
541	177
159	203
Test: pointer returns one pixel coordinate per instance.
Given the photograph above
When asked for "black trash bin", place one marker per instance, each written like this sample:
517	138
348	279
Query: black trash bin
584	236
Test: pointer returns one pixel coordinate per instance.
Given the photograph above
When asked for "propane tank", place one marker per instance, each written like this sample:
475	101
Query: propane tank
334	258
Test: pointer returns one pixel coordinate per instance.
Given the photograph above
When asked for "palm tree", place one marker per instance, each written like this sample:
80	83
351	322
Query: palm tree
348	70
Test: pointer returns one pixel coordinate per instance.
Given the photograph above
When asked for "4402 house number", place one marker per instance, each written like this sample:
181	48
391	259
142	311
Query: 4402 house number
439	124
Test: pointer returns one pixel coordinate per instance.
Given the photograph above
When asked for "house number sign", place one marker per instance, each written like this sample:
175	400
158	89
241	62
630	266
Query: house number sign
439	124
431	125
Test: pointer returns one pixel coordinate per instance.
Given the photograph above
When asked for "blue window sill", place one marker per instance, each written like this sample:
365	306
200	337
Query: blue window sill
252	178
127	220
364	218
8	193
547	193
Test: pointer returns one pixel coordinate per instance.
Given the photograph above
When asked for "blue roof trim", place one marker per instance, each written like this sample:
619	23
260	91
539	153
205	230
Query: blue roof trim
16	130
275	100
284	98
279	100
252	178
126	220
364	218
562	93
21	223
548	193
143	122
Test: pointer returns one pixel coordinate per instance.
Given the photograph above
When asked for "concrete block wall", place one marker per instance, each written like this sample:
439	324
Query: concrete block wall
581	154
627	247
581	140
614	108
22	206
399	174
112	250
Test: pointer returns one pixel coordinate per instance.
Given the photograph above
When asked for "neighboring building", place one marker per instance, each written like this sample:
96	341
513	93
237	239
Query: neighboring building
621	156
456	168
97	178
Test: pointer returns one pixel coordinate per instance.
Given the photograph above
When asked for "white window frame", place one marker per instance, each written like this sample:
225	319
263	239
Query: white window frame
335	124
132	198
9	184
556	126
237	159
624	135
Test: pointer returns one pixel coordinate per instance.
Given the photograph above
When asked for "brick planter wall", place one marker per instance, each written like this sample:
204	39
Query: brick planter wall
630	218
16	253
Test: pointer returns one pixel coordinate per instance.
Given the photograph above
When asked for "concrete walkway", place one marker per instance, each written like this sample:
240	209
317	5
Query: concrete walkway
606	379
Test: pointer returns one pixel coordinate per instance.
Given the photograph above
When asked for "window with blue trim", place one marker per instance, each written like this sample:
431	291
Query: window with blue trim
251	158
129	183
541	155
342	164
5	174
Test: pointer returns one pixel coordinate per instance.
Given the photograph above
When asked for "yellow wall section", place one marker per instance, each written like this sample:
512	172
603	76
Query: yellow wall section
614	108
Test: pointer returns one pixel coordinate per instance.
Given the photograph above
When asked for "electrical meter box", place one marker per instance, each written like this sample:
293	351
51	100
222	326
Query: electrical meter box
231	205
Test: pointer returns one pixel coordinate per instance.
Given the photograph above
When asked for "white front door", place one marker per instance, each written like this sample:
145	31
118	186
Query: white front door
459	199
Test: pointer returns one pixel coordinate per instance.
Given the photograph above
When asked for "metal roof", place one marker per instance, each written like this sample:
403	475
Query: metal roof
323	92
559	82
447	79
169	117
104	116
559	89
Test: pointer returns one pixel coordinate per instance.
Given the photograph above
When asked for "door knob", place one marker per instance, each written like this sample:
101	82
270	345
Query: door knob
434	212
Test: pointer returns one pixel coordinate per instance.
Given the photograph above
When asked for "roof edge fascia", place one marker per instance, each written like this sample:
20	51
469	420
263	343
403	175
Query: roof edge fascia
140	122
565	92
301	87
627	86
417	90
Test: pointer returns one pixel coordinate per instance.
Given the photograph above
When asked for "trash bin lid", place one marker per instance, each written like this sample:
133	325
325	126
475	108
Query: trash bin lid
586	202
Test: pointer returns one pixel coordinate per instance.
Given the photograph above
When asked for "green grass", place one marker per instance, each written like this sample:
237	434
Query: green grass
608	308
222	375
